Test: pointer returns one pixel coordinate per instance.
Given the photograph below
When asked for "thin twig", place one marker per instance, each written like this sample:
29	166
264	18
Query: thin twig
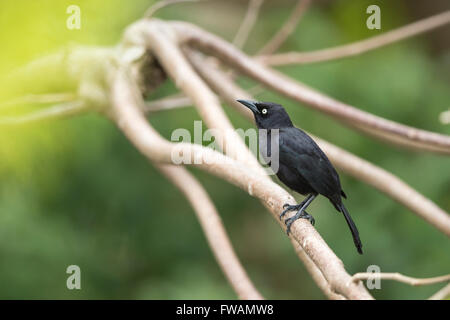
395	276
197	60
206	102
167	103
315	273
286	29
359	47
161	4
247	24
392	131
39	98
214	230
54	112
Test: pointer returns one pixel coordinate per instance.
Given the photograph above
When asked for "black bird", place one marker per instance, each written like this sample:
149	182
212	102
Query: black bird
303	166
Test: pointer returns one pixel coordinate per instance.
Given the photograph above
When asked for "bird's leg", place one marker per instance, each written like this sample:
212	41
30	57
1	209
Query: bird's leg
301	213
287	207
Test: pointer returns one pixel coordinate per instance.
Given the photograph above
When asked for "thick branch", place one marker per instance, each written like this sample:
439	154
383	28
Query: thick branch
357	48
214	230
158	39
393	131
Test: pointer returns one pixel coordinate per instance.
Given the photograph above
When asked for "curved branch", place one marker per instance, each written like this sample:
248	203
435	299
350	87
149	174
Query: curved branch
126	112
400	278
207	103
214	230
247	24
167	103
359	47
39	98
62	110
392	131
359	168
288	27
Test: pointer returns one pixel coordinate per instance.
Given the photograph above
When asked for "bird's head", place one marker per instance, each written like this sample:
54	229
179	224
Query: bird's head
268	115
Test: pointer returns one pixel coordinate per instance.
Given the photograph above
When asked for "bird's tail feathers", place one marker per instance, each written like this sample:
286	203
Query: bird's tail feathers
352	226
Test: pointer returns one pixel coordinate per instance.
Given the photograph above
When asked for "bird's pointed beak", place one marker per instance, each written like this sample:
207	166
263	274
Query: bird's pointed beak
249	104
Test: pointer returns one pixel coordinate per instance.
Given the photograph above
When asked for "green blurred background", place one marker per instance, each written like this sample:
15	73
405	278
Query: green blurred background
76	192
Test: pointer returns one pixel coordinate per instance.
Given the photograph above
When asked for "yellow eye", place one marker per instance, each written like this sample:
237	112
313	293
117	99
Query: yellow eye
264	111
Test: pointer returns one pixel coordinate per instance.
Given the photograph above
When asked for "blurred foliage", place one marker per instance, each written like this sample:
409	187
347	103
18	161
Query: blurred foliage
76	192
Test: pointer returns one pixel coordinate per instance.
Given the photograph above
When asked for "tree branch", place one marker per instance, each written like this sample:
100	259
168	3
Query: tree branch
63	110
247	24
288	27
400	278
359	47
315	273
39	98
206	102
214	230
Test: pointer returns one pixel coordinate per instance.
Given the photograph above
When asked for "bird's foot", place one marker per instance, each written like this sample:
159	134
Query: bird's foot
287	207
298	215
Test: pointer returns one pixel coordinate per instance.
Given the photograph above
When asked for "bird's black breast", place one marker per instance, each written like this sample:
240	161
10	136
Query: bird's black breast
304	167
295	181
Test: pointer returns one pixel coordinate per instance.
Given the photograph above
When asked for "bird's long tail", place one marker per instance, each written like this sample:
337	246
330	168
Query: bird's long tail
352	227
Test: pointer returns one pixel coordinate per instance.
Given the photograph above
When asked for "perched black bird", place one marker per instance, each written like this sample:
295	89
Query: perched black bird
303	166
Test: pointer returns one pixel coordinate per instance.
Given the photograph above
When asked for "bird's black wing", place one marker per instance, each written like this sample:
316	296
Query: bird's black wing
299	151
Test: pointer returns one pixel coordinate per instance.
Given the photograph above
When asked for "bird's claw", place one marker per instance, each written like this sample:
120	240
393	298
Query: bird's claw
310	218
302	215
287	207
